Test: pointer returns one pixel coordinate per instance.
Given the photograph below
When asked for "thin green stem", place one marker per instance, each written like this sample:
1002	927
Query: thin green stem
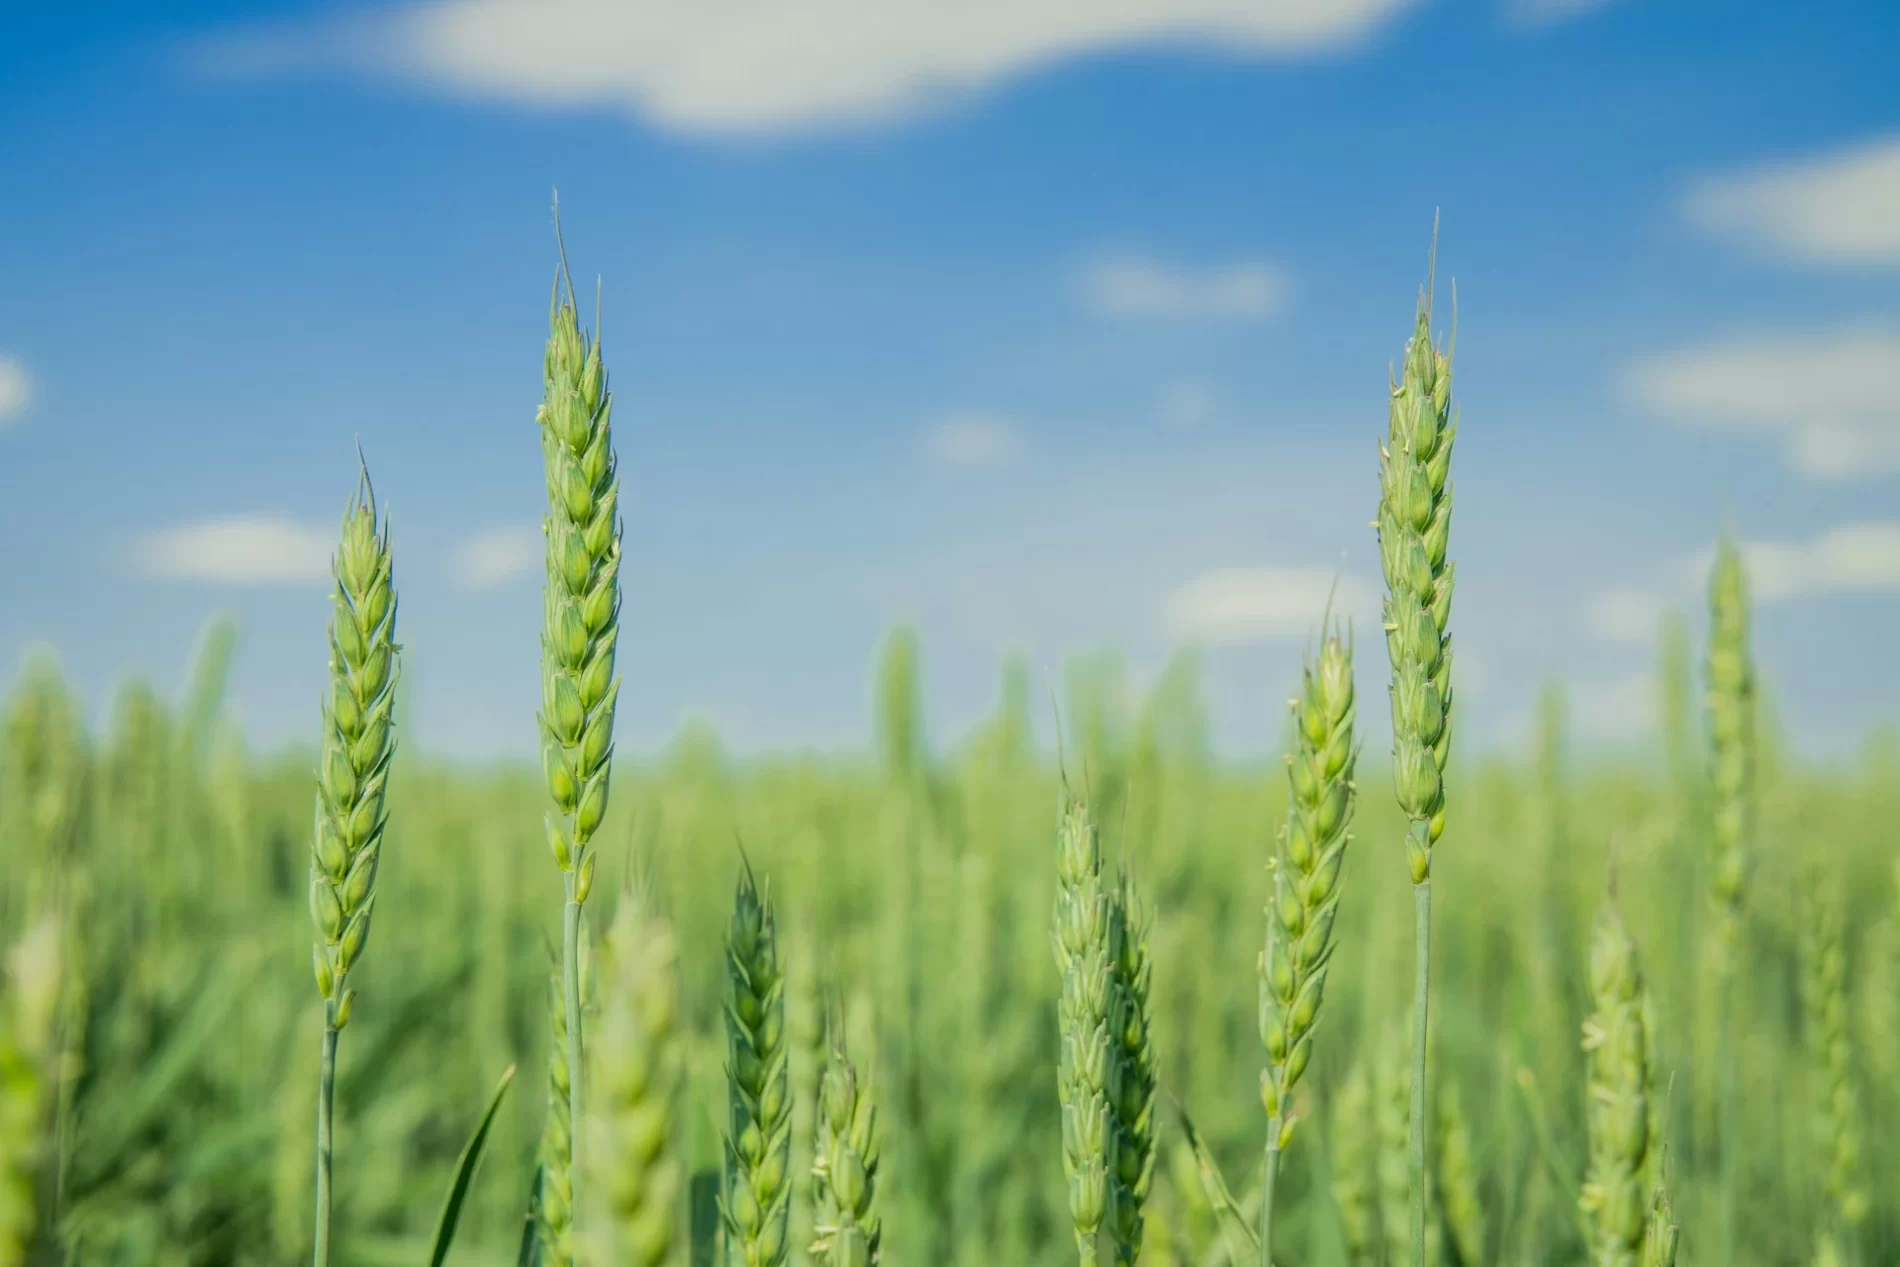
1421	1003
571	997
326	1095
1266	1191
1727	1118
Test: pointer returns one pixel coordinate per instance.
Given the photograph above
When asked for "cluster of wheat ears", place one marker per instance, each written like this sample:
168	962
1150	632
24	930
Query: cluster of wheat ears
801	1150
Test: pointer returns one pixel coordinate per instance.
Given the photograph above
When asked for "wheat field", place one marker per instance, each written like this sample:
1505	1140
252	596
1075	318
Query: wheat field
1664	986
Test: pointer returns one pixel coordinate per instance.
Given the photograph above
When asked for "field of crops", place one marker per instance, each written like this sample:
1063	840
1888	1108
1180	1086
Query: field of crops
1664	993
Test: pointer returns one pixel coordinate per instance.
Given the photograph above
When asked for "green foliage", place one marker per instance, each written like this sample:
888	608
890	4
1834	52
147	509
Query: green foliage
189	1048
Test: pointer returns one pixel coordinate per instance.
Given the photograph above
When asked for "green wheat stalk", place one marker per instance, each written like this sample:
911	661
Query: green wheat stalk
846	1228
1458	1177
581	625
554	1200
1730	703
358	742
1414	526
636	1063
1830	1051
1306	888
29	1011
1353	1154
1084	1079
1616	1045
757	1201
1137	1075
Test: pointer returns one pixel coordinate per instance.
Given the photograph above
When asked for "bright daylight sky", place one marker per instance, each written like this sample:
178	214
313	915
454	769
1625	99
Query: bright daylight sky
1049	325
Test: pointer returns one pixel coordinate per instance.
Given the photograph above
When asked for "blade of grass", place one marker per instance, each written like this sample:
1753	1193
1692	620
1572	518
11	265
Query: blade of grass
465	1167
1233	1220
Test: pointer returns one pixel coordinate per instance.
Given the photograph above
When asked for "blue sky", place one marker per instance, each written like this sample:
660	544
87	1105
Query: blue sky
1049	327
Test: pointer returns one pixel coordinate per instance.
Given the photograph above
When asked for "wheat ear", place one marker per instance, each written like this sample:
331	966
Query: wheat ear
581	625
358	742
1306	888
1088	1064
1615	1041
1831	1051
1730	702
635	1061
758	1196
1137	1074
846	1228
29	1009
1414	525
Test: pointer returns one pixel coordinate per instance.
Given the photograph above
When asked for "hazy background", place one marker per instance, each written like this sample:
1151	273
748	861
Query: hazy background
1043	327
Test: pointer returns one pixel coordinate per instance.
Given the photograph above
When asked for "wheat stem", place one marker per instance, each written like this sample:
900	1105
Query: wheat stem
1268	1183
1421	1004
571	1008
326	1092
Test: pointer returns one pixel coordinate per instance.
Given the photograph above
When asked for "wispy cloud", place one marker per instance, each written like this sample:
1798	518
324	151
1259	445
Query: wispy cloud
1855	558
238	550
1187	403
971	441
1236	606
492	559
760	65
1626	613
1829	397
1619	708
1837	207
1131	285
16	390
1542	13
1861	558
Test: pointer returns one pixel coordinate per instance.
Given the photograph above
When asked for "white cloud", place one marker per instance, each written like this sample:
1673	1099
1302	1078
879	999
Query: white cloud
1540	13
1187	403
1830	397
970	441
1860	558
1234	606
1838	207
1128	285
492	559
16	390
737	66
1856	558
1620	708
239	550
1629	614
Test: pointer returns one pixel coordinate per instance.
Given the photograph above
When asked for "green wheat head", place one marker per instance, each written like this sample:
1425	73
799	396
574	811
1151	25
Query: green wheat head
1307	874
1353	1153
1731	713
846	1228
1086	1072
1457	1175
1137	1073
1830	1051
29	1007
757	1204
636	1064
358	742
581	602
1414	527
1615	1041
